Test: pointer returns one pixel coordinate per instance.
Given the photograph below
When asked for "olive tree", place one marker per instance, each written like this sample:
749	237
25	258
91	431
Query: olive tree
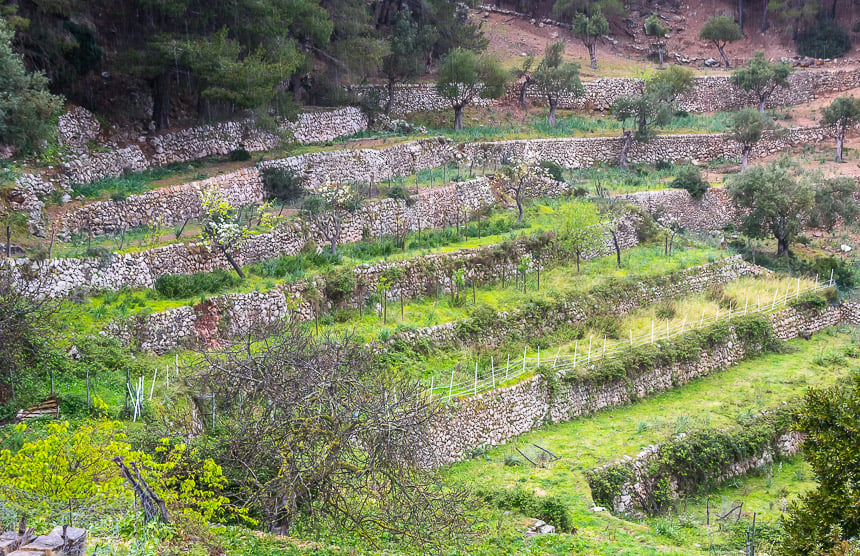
659	32
588	28
746	127
581	232
521	175
842	113
553	78
761	77
779	198
721	30
465	76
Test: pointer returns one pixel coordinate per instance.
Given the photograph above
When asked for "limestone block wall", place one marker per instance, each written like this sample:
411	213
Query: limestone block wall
168	205
711	93
494	417
77	127
316	127
712	212
585	152
432	208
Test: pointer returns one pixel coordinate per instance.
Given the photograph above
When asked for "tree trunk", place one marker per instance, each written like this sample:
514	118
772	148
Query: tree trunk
617	247
833	10
723	54
550	119
8	242
741	14
523	91
519	208
390	98
161	100
761	103
781	246
840	138
592	55
233	263
577	262
745	157
764	18
458	117
622	156
660	56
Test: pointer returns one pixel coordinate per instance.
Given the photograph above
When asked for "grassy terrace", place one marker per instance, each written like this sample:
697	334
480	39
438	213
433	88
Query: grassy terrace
722	400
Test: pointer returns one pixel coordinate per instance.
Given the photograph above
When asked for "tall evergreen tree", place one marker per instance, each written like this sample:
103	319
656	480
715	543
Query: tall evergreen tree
27	109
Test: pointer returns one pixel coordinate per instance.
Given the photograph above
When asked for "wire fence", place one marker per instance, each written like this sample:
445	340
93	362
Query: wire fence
594	350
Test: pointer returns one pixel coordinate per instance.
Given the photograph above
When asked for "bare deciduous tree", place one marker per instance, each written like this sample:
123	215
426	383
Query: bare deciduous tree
316	434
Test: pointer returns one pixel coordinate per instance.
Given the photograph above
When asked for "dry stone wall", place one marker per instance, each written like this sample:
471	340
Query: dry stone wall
586	152
370	165
641	478
713	93
527	321
167	205
494	417
433	208
712	212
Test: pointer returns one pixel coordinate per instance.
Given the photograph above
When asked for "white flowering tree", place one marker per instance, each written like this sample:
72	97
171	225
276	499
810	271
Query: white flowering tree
328	208
521	175
222	228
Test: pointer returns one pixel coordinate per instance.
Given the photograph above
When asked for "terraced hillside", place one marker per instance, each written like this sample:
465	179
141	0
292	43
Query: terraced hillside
394	337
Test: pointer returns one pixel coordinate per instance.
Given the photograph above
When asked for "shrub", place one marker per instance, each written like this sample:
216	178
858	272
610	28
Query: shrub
339	283
283	184
824	39
607	325
665	310
690	178
605	483
179	286
547	508
239	155
401	193
810	301
554	170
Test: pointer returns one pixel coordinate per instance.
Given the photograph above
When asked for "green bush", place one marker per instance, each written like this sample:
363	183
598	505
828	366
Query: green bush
690	178
546	508
824	39
810	301
239	155
606	325
339	284
401	193
605	483
283	184
554	170
180	286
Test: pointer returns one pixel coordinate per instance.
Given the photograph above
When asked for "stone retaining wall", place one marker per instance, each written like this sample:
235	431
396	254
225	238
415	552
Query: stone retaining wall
494	417
540	321
641	480
711	93
414	277
712	212
371	165
433	208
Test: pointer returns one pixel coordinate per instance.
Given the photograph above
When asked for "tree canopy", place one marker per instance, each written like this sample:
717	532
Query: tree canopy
588	28
554	77
746	128
27	109
779	198
842	113
465	76
721	30
825	519
761	77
